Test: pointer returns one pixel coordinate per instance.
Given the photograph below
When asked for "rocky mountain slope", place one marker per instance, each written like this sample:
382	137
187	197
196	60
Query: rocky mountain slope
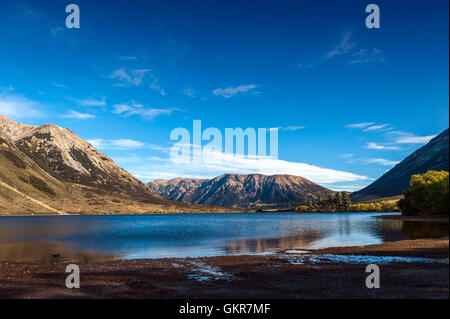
244	191
49	169
432	156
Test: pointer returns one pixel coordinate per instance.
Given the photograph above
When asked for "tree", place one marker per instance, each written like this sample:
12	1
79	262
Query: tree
346	202
339	202
427	195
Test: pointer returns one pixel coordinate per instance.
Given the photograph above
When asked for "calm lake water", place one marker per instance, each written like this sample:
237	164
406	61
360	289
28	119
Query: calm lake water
72	238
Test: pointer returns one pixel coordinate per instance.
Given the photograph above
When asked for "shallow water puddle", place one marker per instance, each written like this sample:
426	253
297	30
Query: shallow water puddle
206	272
353	259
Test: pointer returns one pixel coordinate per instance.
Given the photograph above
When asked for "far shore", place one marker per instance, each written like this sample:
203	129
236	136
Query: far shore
279	275
249	211
440	218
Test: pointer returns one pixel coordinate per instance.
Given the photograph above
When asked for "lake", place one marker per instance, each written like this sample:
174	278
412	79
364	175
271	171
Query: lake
102	238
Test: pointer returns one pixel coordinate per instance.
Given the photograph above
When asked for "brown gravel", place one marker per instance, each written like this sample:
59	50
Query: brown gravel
270	276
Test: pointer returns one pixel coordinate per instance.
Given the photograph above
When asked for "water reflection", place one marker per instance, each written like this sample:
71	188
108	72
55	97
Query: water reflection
266	245
417	229
192	235
48	251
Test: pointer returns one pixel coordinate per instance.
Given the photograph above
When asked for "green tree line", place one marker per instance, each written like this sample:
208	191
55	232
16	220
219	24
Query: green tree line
341	202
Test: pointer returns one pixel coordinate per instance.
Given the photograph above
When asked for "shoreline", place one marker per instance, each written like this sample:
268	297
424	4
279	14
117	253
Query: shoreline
440	218
181	213
245	276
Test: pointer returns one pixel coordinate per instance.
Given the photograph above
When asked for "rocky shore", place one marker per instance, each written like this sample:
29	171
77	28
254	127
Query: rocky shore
408	269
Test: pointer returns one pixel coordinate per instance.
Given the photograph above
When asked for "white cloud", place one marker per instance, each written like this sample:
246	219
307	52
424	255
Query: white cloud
71	114
130	77
347	188
292	128
216	163
156	87
369	126
367	56
120	144
146	113
17	106
91	102
415	139
375	146
381	161
346	155
359	125
231	91
344	46
375	127
59	85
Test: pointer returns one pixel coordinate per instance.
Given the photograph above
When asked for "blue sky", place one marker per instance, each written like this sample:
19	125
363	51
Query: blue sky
349	101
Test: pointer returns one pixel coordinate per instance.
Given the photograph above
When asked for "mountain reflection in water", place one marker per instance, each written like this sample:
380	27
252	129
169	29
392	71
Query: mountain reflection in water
103	238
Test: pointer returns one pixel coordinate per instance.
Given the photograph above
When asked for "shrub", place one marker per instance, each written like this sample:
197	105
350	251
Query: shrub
304	209
427	195
382	206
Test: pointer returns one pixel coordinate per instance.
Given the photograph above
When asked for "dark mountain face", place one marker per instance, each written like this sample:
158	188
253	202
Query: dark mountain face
432	156
243	191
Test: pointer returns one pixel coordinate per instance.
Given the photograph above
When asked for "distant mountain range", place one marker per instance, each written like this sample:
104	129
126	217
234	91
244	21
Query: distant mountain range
432	156
49	169
285	191
243	191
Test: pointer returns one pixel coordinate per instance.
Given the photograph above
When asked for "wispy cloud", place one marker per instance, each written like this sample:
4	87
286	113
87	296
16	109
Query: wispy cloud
375	146
59	85
291	128
231	91
381	161
156	87
369	126
119	144
359	125
91	102
146	113
344	46
402	137
415	139
348	155
367	56
17	106
376	128
129	77
71	114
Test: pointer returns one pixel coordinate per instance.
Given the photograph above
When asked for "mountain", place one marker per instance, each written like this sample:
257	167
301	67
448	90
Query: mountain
178	189
243	191
51	169
432	156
